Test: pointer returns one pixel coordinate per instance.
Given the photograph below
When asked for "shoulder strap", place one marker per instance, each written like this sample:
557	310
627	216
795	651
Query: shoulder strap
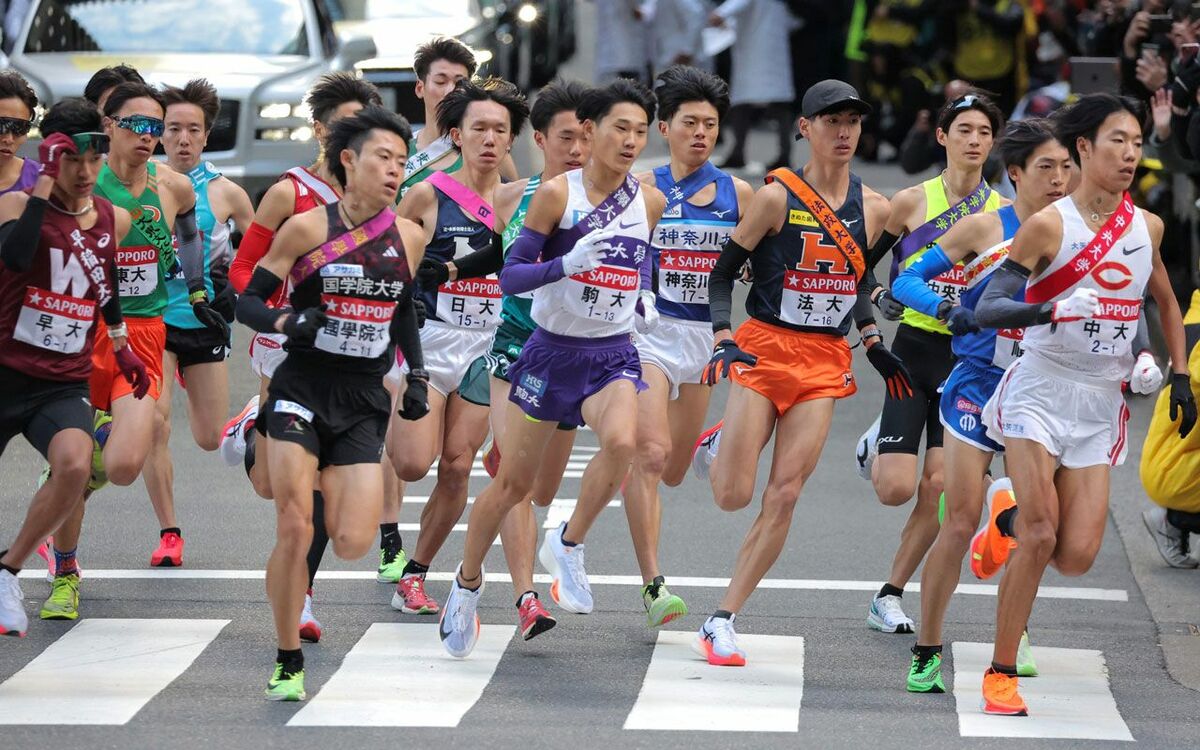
824	215
678	192
601	216
154	231
466	198
315	184
349	241
1009	223
1055	283
928	232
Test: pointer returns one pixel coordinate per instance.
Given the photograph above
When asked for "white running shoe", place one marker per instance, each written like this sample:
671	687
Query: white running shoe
233	439
705	450
717	643
310	627
13	620
866	450
459	626
1172	543
886	616
569	586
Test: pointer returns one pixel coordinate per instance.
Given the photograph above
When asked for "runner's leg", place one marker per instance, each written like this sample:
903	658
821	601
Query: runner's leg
1083	512
293	469
642	508
686	416
70	458
353	503
260	477
159	469
612	414
922	526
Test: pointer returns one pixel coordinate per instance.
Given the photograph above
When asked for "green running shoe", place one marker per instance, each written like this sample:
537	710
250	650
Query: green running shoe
1025	664
941	509
285	687
926	676
100	431
63	603
391	567
661	605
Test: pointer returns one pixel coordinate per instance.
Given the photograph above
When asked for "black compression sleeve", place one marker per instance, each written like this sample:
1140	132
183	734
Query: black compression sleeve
110	310
880	249
863	314
19	239
998	309
405	333
720	284
252	310
482	262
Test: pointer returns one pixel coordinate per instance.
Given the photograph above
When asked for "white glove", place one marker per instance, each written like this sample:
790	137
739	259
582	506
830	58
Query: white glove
589	253
647	317
1146	377
1083	303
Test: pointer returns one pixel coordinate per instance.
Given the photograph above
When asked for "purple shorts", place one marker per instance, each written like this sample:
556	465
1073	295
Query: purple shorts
555	374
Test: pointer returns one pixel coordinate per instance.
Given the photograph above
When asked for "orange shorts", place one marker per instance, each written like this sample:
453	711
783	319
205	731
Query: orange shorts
793	367
148	337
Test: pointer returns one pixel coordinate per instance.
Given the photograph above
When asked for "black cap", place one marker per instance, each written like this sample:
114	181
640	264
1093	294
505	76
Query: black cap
832	94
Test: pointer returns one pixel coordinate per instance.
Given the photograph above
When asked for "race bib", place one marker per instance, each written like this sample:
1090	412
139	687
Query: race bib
137	270
817	299
1110	331
683	276
609	293
951	284
54	321
356	327
470	303
1008	347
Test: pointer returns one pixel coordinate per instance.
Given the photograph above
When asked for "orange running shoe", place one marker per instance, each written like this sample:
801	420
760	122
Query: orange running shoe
1000	695
169	553
990	548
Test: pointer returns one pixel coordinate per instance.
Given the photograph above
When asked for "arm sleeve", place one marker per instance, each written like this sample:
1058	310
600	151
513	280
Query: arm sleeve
880	249
720	284
254	246
19	239
998	309
647	270
522	272
1141	339
911	287
252	310
405	332
482	262
191	249
863	312
110	309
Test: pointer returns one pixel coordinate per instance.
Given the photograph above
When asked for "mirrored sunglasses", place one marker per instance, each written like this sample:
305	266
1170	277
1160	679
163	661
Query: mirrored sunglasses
142	125
98	142
14	126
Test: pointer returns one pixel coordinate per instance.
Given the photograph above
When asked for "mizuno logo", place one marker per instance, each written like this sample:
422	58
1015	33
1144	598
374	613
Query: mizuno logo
1131	252
721	214
849	222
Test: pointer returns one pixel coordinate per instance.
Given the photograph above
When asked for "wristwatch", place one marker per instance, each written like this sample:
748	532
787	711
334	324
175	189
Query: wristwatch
418	373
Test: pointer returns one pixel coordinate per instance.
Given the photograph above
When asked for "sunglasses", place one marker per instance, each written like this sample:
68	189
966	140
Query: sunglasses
965	102
14	126
142	125
97	142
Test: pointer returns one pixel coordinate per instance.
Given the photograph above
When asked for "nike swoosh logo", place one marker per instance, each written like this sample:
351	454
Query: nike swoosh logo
442	632
623	225
1131	252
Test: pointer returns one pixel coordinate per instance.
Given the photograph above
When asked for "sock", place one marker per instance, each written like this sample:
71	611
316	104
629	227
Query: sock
722	614
389	538
525	596
655	586
1007	669
563	537
320	538
925	653
170	530
9	568
889	590
64	562
292	661
414	568
1184	521
1006	520
248	457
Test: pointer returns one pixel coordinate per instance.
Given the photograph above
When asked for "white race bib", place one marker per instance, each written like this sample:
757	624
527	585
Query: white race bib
356	327
609	293
819	300
470	303
1008	346
137	271
683	275
54	321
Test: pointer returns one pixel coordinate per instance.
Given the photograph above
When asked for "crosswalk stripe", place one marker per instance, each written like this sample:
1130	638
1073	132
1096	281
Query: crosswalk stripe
682	692
397	675
1069	699
108	668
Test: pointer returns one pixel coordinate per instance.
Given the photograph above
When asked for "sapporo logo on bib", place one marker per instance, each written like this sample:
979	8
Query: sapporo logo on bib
355	327
56	322
137	270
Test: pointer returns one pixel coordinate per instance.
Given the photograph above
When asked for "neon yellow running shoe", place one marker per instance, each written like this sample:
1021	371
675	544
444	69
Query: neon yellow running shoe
661	605
285	687
63	603
391	567
1026	667
100	431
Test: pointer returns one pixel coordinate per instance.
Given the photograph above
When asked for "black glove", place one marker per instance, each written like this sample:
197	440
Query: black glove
957	318
723	357
888	306
224	302
422	314
892	369
1182	399
301	328
415	403
210	318
432	273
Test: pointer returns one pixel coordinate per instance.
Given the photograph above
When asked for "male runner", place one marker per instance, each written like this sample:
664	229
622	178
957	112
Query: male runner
17	105
921	214
455	211
790	362
1059	410
1040	169
103	81
591	229
194	350
703	206
349	266
57	248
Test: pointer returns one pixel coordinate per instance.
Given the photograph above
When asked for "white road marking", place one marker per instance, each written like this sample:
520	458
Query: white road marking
436	691
1069	699
559	510
103	671
682	692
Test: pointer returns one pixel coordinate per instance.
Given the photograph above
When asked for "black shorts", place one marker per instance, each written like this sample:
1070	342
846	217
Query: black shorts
40	409
340	419
197	346
929	360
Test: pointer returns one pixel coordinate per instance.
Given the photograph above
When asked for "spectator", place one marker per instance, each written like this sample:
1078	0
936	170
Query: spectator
677	26
623	41
988	45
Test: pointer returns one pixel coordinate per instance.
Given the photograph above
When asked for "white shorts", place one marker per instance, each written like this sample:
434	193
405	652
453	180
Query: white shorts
680	348
266	352
1080	424
449	352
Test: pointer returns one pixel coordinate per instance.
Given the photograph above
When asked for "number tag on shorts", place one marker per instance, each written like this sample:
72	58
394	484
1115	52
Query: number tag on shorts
54	321
291	407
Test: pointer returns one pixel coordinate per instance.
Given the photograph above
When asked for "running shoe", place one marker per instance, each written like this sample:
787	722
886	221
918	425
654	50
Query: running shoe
310	628
491	458
169	553
233	437
1172	543
1026	666
411	597
63	603
391	566
990	548
101	429
459	626
45	551
887	616
13	620
925	675
285	686
569	583
717	643
866	450
1000	695
533	617
705	450
661	605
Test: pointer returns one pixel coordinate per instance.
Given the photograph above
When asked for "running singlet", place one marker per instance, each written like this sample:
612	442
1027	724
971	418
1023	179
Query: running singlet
30	170
142	271
802	280
1100	348
359	290
989	346
464	303
218	252
515	309
687	242
47	312
417	168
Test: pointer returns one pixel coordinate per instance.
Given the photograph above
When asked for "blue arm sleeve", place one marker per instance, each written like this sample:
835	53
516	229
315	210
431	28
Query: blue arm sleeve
522	272
912	288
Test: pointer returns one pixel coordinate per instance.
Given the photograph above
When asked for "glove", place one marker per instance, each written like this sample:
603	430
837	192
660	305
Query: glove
301	328
1183	400
892	369
888	306
961	320
1083	303
134	371
225	302
432	274
589	253
724	356
415	403
422	314
1146	377
209	317
647	312
51	151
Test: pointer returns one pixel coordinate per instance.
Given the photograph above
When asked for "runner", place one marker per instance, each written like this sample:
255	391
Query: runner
195	353
103	81
354	304
56	268
790	362
17	105
1064	418
921	214
703	206
456	214
591	227
1039	168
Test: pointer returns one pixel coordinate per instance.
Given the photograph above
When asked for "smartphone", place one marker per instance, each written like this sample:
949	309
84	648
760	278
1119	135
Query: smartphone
1188	52
1090	75
1150	49
1160	23
1194	13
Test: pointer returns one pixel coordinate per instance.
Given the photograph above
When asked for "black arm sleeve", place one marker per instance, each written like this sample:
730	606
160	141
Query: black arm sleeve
252	310
720	284
19	239
111	310
998	309
880	249
863	312
405	333
482	262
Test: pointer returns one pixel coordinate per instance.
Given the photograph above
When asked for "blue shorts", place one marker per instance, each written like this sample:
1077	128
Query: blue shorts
964	394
